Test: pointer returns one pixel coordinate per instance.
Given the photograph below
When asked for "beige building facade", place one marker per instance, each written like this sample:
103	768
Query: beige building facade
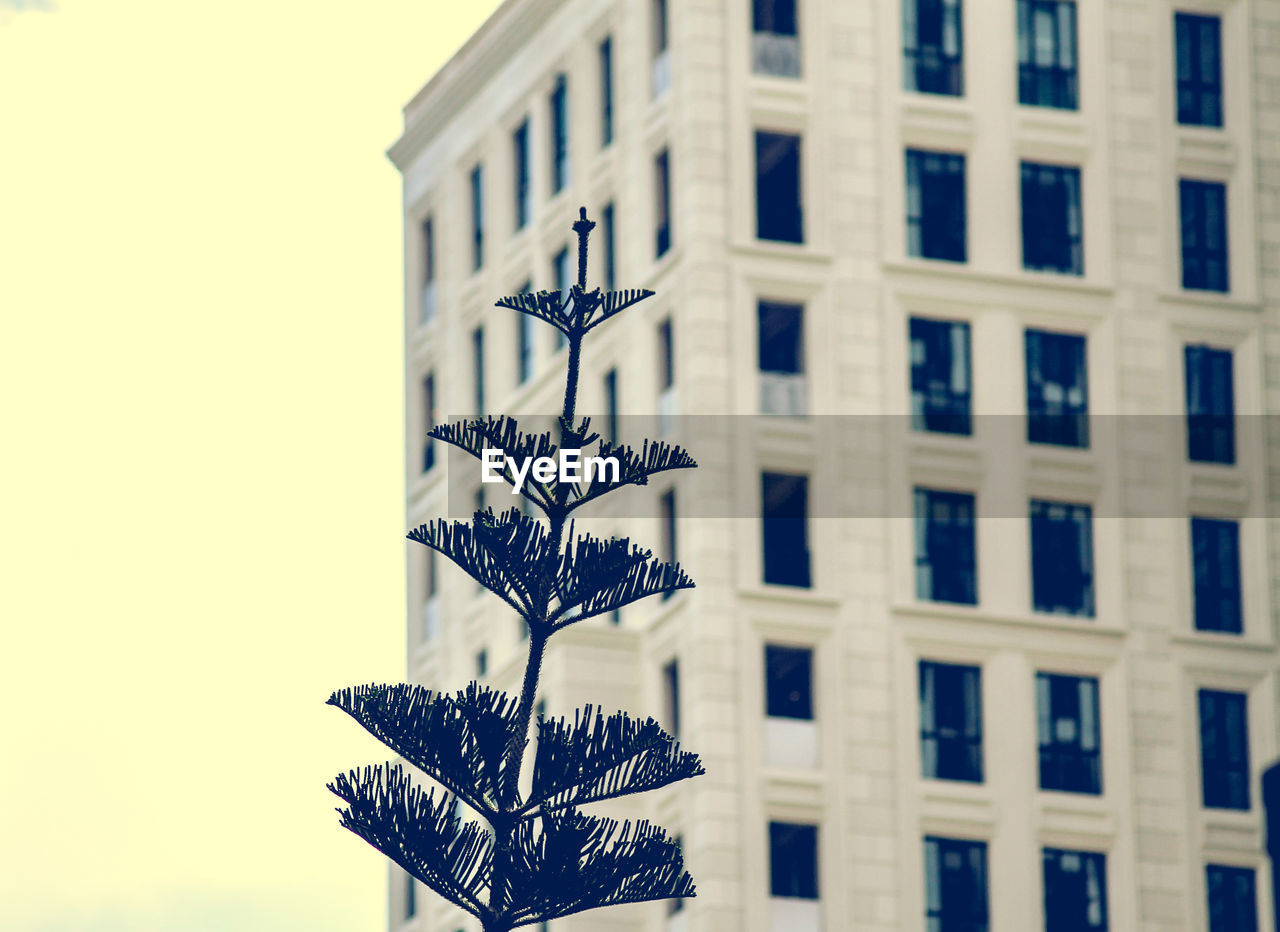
1018	668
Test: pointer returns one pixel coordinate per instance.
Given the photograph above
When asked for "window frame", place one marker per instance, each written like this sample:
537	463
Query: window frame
779	661
975	915
1054	86
792	876
662	219
1205	266
1057	914
1230	787
942	69
936	218
1049	355
477	217
951	751
1067	765
782	221
785	559
942	538
936	405
1049	556
1192	91
558	105
1209	381
1205	592
1233	920
1052	244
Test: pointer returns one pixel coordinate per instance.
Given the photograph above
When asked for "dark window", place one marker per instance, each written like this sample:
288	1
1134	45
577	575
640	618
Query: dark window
482	662
950	721
788	682
606	91
946	570
1069	733
933	53
520	159
781	337
774	16
662	203
775	40
1198	42
477	217
609	235
659	27
1057	389
1203	205
793	860
410	897
1233	901
785	509
559	134
1211	430
1224	749
1075	891
779	210
955	885
941	386
427	307
563	284
477	363
1047	57
611	405
667	516
432	581
676	903
671	696
935	205
1062	558
1052	219
1215	559
524	340
666	356
428	422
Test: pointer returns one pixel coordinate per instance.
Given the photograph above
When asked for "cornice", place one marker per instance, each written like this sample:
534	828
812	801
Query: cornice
456	83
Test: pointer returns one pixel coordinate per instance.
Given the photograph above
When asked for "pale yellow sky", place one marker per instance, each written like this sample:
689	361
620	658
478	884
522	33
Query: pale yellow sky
200	507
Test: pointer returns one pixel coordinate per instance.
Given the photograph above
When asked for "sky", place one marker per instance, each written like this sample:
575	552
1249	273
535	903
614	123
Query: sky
201	451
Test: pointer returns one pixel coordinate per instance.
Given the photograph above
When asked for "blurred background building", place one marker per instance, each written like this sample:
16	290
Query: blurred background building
1036	689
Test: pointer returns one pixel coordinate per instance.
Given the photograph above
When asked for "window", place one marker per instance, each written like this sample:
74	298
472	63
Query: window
563	284
945	563
1069	733
788	682
780	355
477	363
410	897
932	53
667	516
1198	44
1052	219
676	903
559	134
606	92
482	662
1075	891
1203	206
955	885
611	406
1057	389
1224	749
427	305
779	210
785	508
477	217
609	234
781	337
775	41
1062	558
524	340
661	68
671	696
662	203
1215	560
950	721
793	860
935	205
666	356
428	422
1211	433
1233	901
940	381
520	161
1047	58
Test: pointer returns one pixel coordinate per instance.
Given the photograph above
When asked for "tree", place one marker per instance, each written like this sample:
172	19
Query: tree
538	856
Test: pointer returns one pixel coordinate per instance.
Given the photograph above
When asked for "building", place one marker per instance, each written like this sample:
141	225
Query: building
1032	682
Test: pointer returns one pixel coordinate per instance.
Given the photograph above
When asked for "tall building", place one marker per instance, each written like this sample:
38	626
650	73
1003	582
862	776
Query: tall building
1017	670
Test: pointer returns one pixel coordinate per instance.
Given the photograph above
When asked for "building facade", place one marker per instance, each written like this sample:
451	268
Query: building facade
1017	669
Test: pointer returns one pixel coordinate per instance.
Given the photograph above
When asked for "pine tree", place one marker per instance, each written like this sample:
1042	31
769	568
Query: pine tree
537	856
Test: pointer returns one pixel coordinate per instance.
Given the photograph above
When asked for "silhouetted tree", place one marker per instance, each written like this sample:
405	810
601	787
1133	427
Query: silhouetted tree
539	857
